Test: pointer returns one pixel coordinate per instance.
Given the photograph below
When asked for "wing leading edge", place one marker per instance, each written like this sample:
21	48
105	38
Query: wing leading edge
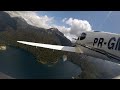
55	47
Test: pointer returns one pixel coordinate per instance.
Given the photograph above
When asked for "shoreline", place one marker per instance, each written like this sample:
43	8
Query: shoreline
39	61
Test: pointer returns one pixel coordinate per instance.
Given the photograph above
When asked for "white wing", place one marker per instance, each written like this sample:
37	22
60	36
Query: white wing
56	47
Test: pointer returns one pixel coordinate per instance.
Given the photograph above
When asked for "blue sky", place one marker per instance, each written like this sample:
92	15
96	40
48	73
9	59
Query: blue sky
99	20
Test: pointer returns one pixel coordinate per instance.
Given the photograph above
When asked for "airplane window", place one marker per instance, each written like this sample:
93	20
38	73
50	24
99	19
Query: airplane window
83	36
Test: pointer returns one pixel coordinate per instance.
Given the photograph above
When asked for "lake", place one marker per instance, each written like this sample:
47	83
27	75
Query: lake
20	64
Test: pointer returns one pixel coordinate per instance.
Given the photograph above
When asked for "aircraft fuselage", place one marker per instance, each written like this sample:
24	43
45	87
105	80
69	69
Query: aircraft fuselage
101	45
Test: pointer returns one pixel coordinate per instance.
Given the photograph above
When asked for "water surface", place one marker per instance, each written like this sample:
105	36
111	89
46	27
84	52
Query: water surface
20	64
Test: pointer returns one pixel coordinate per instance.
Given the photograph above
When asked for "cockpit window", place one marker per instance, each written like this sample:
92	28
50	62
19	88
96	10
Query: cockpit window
83	36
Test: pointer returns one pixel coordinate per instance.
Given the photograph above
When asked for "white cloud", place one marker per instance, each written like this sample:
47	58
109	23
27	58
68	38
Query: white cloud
62	29
33	19
75	28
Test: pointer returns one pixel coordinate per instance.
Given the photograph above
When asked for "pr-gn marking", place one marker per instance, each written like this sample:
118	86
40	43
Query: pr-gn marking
112	44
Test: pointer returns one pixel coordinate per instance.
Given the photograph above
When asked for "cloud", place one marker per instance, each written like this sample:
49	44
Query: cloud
33	19
74	29
77	26
65	31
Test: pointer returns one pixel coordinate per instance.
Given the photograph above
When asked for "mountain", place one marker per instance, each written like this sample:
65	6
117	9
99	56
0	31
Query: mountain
6	21
13	29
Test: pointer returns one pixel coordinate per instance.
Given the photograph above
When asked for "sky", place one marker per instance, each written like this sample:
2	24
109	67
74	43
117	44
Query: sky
108	21
73	23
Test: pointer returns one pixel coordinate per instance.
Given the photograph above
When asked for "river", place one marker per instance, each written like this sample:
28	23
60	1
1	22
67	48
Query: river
20	64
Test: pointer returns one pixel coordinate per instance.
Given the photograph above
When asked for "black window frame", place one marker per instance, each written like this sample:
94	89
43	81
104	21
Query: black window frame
83	36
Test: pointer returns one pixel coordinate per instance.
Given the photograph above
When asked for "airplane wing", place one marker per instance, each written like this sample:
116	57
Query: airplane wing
55	47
